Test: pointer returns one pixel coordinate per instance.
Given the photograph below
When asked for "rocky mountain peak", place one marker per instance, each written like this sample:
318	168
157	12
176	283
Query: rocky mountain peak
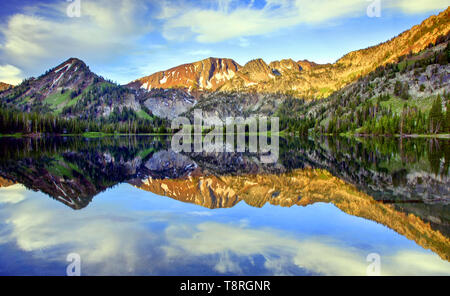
207	74
71	90
306	65
72	62
73	74
257	71
285	67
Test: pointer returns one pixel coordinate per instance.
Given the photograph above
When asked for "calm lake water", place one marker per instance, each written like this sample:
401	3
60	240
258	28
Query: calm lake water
131	206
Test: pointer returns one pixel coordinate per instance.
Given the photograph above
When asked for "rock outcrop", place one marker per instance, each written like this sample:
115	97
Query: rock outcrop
208	74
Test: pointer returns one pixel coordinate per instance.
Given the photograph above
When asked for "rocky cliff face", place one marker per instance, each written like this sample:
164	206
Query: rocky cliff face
208	74
217	106
168	103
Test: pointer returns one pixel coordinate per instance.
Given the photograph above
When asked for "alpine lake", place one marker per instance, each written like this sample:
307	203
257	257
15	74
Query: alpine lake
129	205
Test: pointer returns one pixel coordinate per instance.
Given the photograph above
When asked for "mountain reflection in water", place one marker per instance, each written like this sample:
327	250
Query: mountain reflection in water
401	184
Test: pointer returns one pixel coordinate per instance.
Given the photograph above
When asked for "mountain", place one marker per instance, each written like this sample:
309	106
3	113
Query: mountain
220	86
5	86
413	82
382	99
302	78
72	90
288	67
318	81
307	65
167	103
220	105
256	71
208	74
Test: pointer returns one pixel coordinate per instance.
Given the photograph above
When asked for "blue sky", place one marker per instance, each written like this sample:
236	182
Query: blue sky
127	39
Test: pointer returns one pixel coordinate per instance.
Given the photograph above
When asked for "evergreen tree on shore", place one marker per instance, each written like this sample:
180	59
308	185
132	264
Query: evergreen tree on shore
435	120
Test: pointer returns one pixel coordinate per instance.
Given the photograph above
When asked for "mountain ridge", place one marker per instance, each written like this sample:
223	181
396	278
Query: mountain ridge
322	80
71	89
313	80
207	74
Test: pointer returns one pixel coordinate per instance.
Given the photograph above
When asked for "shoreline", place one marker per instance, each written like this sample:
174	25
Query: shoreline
100	135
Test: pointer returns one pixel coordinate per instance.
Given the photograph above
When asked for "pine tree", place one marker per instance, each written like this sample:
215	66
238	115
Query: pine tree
435	118
447	119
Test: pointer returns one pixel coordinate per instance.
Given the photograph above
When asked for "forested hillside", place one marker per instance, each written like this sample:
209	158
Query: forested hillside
410	96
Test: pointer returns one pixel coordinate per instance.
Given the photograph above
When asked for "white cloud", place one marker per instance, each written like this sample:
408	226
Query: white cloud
106	29
10	74
116	32
108	244
222	20
319	255
418	6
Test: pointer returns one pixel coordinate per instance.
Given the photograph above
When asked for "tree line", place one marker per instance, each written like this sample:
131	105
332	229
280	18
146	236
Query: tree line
13	121
378	120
